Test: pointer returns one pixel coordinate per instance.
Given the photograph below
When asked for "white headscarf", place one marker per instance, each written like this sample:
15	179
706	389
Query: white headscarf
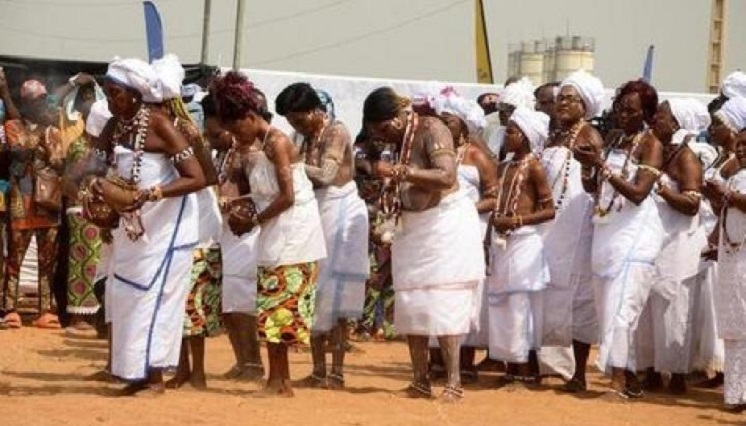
691	115
171	74
706	153
138	75
68	103
733	114
533	124
590	88
519	94
97	118
734	85
448	100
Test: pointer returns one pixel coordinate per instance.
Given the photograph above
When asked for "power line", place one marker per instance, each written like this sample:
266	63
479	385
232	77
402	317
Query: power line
250	25
363	36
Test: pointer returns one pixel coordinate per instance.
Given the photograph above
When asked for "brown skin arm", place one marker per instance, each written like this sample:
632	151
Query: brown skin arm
689	170
170	141
715	191
201	152
737	200
279	150
487	179
544	211
334	146
438	146
637	190
588	139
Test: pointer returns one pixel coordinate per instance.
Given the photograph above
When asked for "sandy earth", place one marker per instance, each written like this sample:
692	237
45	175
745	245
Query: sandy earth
41	382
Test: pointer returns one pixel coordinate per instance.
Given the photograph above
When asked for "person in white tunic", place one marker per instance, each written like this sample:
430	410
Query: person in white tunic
238	253
519	270
437	258
291	239
670	313
152	247
628	234
730	297
340	295
569	307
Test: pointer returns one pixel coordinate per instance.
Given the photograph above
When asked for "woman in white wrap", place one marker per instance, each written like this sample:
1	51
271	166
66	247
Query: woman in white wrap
569	302
667	324
627	235
437	258
153	245
477	176
340	296
730	297
238	253
291	239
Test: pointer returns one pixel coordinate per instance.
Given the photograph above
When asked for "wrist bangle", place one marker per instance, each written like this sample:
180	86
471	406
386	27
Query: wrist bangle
155	193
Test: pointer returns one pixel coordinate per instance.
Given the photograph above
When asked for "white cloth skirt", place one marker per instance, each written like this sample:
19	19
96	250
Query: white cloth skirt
515	325
443	311
735	372
239	285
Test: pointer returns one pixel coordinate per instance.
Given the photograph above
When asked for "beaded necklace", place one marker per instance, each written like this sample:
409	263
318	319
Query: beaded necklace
390	199
461	151
510	206
226	162
730	246
137	129
632	150
565	168
311	145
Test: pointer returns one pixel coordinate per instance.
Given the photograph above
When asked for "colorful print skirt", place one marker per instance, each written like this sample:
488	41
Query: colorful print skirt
203	305
84	254
285	302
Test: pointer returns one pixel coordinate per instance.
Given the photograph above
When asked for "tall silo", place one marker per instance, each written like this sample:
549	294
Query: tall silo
549	61
532	61
572	54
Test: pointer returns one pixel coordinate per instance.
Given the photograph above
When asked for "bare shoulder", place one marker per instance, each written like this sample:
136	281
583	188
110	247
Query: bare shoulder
435	134
277	142
590	136
337	133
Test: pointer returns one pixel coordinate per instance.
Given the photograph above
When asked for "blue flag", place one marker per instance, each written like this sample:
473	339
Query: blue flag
154	31
647	70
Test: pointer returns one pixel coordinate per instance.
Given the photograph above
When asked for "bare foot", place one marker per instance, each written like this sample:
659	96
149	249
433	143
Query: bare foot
132	388
314	382
712	383
177	381
275	390
198	381
251	373
451	395
151	391
677	385
234	372
415	391
491	365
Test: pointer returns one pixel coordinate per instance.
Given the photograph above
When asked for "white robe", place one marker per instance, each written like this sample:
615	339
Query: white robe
437	262
626	243
342	275
151	276
519	275
674	290
730	296
569	309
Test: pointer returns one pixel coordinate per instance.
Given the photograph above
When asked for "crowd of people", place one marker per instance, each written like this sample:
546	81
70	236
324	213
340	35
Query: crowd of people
528	223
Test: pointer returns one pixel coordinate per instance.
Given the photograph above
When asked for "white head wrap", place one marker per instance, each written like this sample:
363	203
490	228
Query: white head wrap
691	115
138	75
734	85
448	100
733	114
534	124
706	153
171	74
590	88
519	94
97	118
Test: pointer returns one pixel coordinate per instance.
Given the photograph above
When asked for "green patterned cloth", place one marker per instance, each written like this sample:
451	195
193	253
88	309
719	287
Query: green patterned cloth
84	254
285	301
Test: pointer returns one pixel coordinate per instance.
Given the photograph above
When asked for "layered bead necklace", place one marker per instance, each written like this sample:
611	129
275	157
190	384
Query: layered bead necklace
632	150
513	196
564	174
135	130
730	246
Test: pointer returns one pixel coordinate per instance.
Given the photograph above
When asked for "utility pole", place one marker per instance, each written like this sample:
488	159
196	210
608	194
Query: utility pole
716	51
239	34
205	32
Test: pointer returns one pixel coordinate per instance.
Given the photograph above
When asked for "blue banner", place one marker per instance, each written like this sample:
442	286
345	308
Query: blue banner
154	31
647	69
